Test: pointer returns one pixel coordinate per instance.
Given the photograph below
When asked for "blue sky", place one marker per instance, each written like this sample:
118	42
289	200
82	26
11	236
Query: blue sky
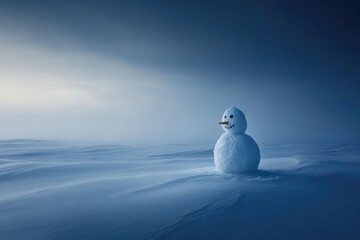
164	71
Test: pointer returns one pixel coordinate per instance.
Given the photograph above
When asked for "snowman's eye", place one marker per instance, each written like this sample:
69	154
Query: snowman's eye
225	117
231	116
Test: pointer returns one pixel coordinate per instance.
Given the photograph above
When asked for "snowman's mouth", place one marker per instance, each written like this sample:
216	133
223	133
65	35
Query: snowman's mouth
228	127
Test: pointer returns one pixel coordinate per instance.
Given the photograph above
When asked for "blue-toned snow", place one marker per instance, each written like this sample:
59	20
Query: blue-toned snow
55	190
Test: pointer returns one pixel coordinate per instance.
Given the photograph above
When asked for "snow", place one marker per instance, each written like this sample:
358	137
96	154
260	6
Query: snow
278	163
235	151
56	190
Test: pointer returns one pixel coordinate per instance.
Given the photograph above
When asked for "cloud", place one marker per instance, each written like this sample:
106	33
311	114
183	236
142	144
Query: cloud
33	94
59	80
47	93
35	78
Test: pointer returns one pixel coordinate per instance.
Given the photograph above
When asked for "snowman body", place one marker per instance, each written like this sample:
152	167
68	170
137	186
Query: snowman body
235	151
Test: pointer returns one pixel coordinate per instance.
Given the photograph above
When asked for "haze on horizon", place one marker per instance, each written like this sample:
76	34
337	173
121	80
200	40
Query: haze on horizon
165	71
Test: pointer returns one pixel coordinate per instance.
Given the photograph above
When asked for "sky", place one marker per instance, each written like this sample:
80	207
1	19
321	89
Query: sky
139	72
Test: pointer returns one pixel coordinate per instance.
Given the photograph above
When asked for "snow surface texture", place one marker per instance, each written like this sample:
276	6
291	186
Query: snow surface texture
54	190
235	151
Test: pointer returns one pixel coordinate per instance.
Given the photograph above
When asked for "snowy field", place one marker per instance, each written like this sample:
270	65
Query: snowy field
54	190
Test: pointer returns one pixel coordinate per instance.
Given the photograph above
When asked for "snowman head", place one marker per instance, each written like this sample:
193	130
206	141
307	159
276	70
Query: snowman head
233	121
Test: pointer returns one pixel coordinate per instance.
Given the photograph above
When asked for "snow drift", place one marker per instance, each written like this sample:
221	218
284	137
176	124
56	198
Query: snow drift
53	190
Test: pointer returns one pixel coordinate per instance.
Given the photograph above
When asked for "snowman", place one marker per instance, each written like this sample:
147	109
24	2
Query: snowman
235	151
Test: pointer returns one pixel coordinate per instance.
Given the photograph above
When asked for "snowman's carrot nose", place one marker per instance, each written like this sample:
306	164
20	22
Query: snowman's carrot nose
224	123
